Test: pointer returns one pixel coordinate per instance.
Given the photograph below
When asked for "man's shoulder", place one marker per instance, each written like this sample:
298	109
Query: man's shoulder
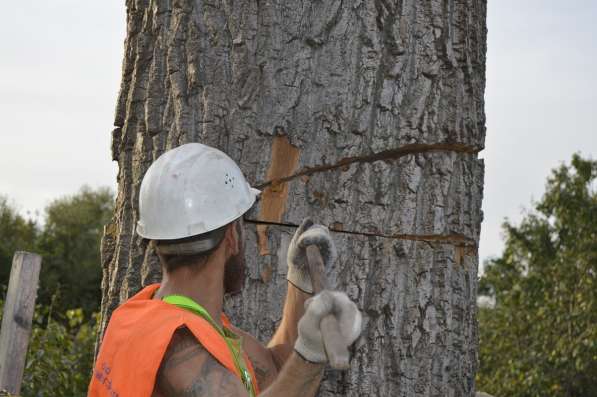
188	369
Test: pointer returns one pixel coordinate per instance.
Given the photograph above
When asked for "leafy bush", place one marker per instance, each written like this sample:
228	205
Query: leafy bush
60	354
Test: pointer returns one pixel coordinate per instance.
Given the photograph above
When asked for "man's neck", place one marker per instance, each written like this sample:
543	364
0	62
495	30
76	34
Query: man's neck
204	285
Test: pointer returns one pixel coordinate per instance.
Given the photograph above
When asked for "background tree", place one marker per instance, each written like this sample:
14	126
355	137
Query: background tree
60	355
16	234
68	240
70	246
540	339
366	116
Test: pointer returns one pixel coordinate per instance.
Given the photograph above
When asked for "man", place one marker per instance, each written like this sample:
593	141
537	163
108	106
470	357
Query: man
172	339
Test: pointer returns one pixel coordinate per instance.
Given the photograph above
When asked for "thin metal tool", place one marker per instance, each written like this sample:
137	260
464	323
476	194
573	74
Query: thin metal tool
336	350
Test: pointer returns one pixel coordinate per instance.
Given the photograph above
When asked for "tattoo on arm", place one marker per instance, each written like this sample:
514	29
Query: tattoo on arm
188	370
261	373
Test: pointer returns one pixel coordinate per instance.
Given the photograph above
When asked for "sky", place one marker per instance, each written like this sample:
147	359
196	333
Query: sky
60	73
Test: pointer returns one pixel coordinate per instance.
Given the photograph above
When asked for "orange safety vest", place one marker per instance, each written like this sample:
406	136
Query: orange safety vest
137	338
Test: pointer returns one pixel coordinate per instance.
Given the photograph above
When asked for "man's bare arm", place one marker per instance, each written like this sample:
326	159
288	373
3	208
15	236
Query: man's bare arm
282	343
191	371
299	378
266	369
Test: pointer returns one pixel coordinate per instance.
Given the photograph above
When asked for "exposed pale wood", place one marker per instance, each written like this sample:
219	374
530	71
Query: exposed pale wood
379	105
16	320
273	199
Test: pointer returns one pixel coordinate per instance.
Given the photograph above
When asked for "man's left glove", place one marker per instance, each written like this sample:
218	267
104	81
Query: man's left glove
307	234
309	343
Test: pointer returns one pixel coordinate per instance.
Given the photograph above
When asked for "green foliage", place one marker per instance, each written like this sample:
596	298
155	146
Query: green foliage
60	354
540	339
61	346
70	247
16	234
68	241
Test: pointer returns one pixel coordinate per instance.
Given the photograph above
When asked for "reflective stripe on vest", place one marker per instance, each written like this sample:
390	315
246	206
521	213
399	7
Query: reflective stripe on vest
136	340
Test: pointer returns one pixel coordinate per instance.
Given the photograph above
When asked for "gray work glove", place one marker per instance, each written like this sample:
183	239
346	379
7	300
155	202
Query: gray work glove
309	343
308	233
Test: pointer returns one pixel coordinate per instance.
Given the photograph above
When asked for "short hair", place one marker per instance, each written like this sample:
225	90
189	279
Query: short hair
189	251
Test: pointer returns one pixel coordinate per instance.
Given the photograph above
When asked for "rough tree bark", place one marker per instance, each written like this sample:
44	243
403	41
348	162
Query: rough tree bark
366	115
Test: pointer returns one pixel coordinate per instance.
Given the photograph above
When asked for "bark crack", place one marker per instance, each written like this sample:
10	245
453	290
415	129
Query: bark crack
458	240
390	154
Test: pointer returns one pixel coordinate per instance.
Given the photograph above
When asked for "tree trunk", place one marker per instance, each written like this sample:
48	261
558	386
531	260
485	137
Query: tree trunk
367	116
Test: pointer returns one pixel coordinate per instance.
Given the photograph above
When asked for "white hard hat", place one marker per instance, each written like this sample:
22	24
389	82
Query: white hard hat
190	190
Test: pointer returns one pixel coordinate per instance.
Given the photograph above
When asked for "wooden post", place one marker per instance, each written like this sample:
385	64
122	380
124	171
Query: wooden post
17	318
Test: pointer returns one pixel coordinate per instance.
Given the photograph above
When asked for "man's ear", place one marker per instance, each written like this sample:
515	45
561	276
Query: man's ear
232	239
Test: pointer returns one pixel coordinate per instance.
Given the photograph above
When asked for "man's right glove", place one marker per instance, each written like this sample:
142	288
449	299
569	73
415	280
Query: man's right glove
306	234
309	343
